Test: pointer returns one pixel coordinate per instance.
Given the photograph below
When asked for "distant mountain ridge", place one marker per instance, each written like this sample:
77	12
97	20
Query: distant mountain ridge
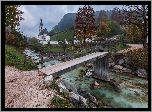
69	19
65	23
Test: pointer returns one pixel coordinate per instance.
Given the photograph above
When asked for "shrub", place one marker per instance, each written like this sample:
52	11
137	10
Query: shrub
139	58
60	103
53	85
121	47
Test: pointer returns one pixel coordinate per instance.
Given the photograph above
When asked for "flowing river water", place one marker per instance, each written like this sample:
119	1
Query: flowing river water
133	94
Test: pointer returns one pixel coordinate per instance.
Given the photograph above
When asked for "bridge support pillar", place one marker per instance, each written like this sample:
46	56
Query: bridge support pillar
100	68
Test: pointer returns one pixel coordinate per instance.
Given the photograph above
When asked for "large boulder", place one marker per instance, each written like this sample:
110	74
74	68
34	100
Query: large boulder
126	70
111	64
92	98
62	87
74	95
141	72
88	74
118	56
47	80
120	62
110	60
69	86
127	61
115	85
118	67
78	98
77	103
126	66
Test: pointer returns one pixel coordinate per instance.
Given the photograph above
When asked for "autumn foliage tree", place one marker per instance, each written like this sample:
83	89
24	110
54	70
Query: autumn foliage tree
13	37
103	30
13	16
102	16
85	26
107	27
136	16
134	34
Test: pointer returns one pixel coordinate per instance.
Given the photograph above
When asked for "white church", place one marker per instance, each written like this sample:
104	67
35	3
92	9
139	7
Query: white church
43	36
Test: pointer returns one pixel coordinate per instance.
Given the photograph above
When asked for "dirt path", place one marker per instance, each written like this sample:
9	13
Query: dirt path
22	89
133	46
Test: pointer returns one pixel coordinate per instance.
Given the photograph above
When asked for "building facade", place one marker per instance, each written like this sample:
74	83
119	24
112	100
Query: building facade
43	36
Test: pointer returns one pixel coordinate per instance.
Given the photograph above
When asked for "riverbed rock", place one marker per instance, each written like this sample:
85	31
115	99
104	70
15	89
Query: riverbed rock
88	74
141	72
92	98
81	98
118	56
82	93
99	103
111	64
127	60
118	67
123	69
90	66
120	61
115	85
69	86
78	100
62	87
74	95
126	70
77	103
126	66
48	80
110	60
96	84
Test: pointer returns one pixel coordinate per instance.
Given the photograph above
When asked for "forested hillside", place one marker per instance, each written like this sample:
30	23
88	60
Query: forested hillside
68	35
69	19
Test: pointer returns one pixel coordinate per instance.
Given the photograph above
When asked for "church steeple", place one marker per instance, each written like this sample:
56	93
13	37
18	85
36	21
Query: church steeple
41	25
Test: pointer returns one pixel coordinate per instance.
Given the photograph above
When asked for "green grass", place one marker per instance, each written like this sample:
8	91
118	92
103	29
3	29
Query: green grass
68	35
15	58
53	50
121	47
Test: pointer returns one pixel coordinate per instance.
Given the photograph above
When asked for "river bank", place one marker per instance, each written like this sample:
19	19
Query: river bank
22	89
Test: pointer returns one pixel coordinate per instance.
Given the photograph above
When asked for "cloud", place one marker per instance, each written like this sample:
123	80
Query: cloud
50	13
30	33
105	7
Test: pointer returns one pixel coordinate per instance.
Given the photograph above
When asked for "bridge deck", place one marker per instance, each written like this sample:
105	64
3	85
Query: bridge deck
71	64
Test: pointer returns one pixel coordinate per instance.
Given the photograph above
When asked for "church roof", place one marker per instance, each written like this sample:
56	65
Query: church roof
44	31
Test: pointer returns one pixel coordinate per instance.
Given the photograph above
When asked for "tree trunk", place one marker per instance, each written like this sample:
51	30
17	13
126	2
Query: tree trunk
144	41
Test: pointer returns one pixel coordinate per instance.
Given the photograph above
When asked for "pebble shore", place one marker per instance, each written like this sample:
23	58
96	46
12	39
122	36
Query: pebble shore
22	89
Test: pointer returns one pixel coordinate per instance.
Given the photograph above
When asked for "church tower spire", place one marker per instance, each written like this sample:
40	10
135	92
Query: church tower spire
41	25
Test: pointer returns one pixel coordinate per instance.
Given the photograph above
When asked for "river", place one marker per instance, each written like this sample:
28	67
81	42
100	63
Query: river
133	94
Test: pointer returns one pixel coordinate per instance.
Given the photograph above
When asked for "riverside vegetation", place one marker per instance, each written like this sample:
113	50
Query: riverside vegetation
15	58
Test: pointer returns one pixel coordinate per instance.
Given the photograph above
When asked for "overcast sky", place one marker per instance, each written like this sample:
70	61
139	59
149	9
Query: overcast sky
50	13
